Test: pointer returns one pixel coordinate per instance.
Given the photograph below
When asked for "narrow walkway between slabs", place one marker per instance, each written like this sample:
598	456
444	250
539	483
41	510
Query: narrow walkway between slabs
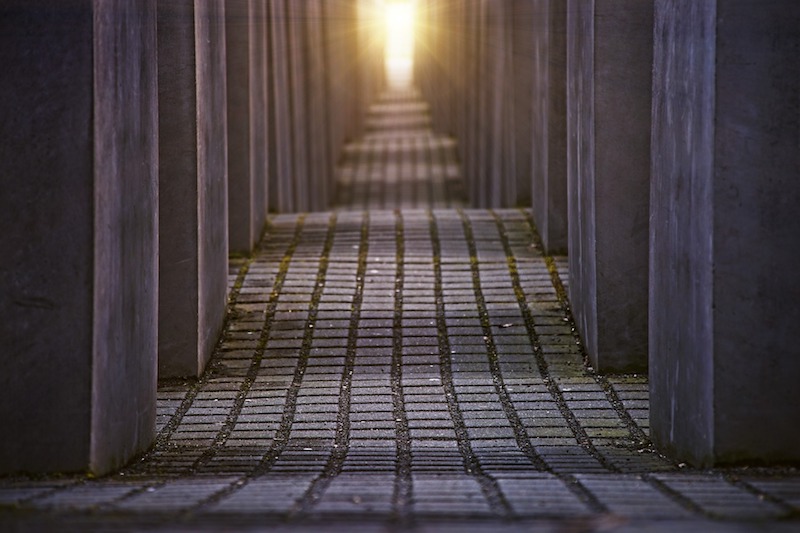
402	362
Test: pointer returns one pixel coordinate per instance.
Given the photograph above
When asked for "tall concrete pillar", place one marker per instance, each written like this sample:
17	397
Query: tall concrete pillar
281	152
548	134
525	22
193	172
341	72
247	113
298	83
482	143
609	72
724	356
78	268
317	111
471	142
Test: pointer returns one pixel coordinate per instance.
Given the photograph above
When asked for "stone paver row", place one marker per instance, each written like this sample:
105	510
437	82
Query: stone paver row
403	369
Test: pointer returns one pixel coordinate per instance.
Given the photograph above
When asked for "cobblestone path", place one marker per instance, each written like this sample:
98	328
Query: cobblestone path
406	369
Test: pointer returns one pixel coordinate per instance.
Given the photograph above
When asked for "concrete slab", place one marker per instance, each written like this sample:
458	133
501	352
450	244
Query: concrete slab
548	134
246	108
319	163
79	264
281	161
723	353
609	64
193	183
299	98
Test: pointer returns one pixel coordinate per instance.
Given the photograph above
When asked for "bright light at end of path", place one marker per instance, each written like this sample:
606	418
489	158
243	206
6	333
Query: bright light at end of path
399	58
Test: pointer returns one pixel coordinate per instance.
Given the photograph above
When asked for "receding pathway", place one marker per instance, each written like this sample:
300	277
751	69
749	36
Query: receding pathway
400	163
403	369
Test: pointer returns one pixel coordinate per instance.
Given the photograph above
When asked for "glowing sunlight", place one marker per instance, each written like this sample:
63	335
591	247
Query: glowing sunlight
399	20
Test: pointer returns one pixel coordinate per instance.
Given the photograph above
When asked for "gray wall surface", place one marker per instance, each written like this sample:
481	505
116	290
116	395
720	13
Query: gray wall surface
609	71
79	163
724	286
192	183
548	168
245	44
281	163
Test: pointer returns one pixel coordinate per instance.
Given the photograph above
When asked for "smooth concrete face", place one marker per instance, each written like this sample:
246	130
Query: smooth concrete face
78	276
47	275
259	124
298	80
242	175
341	49
725	190
481	187
281	160
580	169
548	135
609	88
192	183
317	111
126	231
681	262
525	26
212	176
246	66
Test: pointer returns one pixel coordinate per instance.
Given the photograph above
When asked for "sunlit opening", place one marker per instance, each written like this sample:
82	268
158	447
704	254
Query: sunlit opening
399	57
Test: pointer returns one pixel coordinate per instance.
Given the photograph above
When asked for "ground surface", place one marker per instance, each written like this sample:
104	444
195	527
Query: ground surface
403	369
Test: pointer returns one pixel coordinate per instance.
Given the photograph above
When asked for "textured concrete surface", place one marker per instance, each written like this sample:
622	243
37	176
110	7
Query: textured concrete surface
126	231
78	156
193	169
406	369
609	69
281	159
548	63
299	98
246	65
723	269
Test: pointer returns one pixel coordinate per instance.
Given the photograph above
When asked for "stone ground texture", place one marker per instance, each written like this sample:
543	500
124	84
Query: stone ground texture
403	363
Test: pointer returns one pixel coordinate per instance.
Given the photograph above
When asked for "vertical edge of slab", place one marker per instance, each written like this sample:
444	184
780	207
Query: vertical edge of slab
126	232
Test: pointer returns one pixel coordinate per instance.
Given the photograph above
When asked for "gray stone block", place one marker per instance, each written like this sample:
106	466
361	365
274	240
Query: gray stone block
281	161
548	133
192	183
78	155
723	269
298	88
609	64
320	178
246	108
